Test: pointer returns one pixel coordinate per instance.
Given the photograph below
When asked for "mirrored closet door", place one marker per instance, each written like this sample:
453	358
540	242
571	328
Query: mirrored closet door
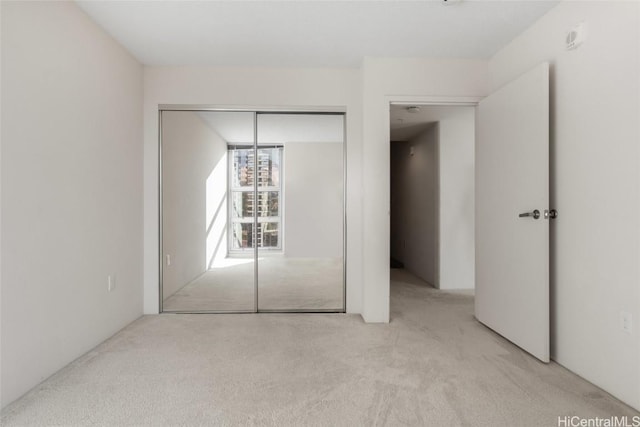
207	186
300	263
252	211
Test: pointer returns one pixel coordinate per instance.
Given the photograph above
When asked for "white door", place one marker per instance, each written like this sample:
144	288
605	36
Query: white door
512	180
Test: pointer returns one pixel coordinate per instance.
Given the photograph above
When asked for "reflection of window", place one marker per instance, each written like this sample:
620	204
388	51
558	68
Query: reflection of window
242	169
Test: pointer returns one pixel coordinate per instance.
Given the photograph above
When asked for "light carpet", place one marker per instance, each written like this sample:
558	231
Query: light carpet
433	365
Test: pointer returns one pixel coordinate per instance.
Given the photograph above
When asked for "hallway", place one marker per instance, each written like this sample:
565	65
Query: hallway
432	365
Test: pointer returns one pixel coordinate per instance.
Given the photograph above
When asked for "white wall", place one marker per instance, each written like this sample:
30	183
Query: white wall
313	199
415	211
254	87
457	197
71	189
595	109
194	189
399	153
386	80
379	81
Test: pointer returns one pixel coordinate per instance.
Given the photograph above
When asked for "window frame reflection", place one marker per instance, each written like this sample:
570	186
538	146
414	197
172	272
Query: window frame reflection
270	200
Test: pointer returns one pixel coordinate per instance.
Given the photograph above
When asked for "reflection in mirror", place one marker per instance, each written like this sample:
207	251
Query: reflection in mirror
300	234
207	211
223	196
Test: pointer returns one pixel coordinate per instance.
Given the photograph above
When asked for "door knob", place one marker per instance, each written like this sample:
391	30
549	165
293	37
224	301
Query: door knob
535	214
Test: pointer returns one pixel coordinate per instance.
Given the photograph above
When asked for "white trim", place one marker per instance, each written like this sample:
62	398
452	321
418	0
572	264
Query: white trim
252	108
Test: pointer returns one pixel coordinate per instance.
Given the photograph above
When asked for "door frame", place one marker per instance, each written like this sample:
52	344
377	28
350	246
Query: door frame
256	110
419	100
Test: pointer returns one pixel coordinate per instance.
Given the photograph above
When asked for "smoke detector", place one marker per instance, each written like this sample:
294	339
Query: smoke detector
414	109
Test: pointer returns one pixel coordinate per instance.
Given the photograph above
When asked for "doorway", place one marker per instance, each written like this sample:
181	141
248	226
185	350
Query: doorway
252	211
432	193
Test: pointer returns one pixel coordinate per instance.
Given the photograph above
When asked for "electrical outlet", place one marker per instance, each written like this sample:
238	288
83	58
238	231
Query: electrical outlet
111	283
626	322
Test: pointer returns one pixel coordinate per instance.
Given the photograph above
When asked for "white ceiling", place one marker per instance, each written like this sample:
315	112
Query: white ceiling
311	33
406	125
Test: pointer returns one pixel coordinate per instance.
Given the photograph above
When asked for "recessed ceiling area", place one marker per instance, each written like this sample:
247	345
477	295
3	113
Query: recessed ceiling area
311	33
236	127
406	124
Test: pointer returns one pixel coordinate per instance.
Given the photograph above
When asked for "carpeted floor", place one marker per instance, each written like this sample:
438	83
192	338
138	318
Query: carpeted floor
433	365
